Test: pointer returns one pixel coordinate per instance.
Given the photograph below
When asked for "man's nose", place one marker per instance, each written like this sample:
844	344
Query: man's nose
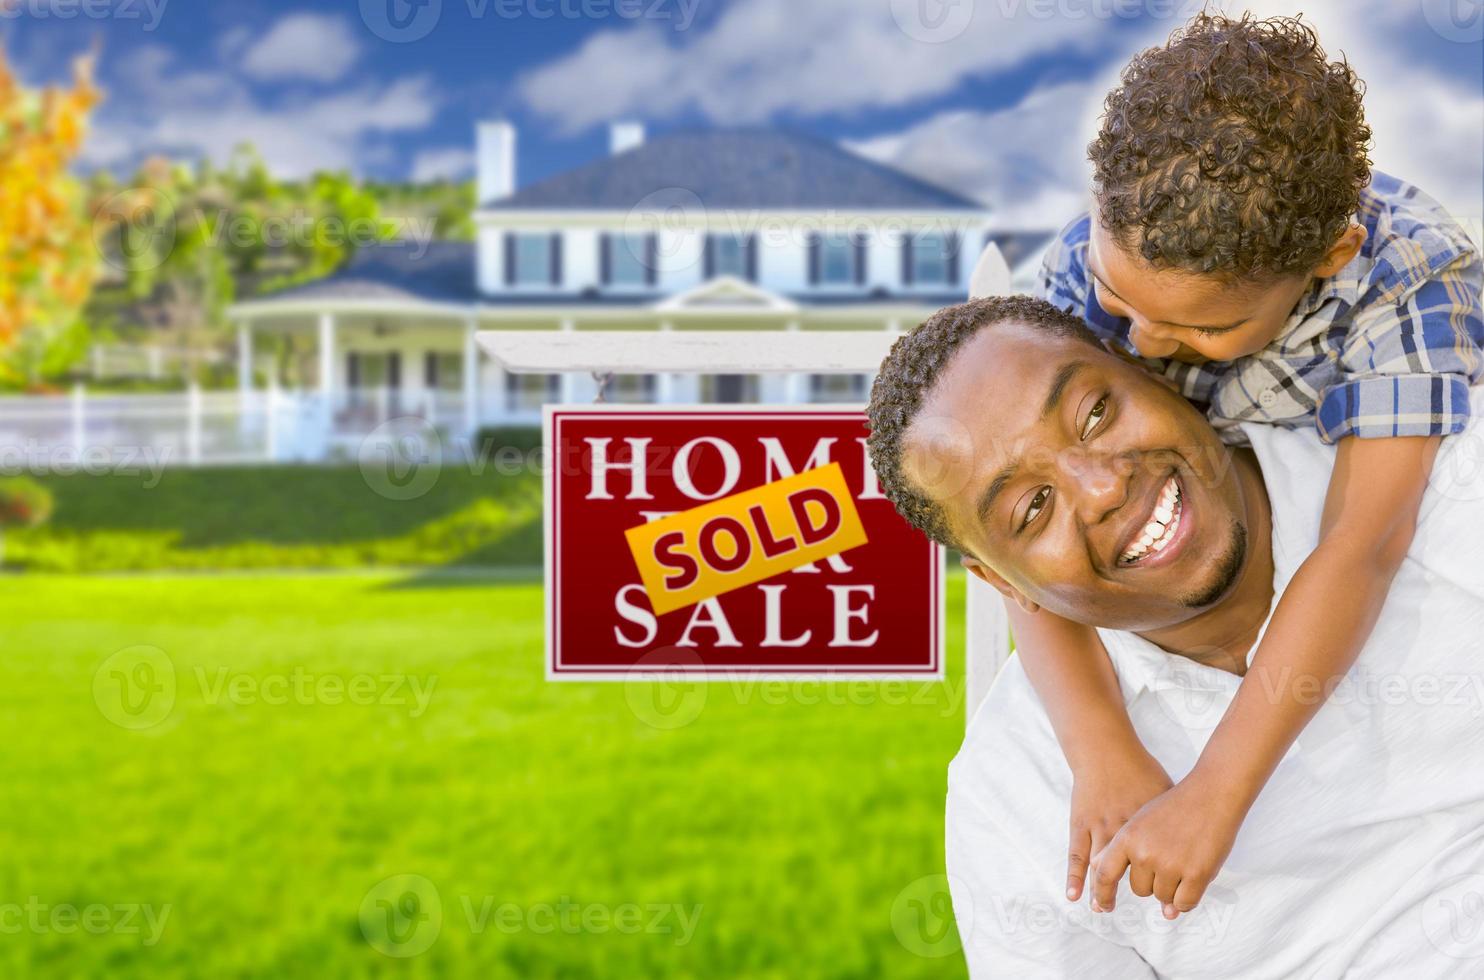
1150	341
1095	483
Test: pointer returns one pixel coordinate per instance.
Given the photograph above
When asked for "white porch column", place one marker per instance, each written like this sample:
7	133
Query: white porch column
471	378
796	386
326	352
664	383
774	389
571	381
327	385
244	357
686	388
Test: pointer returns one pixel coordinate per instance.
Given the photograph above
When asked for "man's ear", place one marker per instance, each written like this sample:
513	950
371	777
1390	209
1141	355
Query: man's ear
988	575
1345	248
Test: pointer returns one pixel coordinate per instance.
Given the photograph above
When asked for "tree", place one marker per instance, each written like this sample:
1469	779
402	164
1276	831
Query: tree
47	258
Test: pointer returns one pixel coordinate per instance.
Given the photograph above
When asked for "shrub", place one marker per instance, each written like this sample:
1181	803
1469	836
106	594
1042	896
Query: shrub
24	503
521	437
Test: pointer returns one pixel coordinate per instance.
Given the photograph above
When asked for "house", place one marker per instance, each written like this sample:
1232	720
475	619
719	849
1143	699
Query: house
693	230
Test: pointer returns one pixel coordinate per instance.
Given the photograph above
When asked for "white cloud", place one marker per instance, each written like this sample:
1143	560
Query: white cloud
1030	160
156	106
319	47
233	42
766	57
444	163
1428	127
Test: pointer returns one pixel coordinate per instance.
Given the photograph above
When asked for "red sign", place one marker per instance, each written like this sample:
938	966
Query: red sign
872	609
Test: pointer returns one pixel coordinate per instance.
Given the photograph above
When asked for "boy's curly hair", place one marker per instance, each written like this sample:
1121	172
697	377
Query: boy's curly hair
1237	149
911	369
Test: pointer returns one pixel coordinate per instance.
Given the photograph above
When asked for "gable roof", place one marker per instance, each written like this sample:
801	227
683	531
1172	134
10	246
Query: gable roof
737	168
727	292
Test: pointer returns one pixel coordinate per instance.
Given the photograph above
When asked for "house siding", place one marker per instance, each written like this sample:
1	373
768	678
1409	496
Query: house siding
779	257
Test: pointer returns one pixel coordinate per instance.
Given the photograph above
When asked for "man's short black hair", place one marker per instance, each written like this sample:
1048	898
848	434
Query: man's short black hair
1237	150
909	373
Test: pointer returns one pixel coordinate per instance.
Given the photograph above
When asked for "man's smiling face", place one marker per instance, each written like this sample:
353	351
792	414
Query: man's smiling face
1077	479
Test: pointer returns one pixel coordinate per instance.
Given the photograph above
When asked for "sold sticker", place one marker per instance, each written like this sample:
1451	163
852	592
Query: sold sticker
723	545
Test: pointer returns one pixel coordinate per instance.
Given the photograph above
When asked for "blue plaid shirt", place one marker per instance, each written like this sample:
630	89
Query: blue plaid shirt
1387	347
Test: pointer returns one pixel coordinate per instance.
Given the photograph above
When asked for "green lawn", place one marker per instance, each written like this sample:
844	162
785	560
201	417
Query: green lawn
787	831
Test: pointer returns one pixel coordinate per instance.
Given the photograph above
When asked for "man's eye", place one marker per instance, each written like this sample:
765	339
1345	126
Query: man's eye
1037	503
1094	417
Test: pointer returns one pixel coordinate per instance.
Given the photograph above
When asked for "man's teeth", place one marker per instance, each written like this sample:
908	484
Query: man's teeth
1160	530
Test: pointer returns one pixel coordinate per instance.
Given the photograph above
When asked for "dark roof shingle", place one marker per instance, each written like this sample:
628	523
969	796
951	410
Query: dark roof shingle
737	168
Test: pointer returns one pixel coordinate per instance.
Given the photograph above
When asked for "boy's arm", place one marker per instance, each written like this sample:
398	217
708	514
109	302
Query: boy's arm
1113	774
1175	846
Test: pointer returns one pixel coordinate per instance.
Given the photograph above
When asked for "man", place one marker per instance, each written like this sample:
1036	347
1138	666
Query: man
1001	427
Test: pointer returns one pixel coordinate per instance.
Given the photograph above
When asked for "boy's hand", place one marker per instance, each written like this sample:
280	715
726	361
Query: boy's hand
1171	849
1102	801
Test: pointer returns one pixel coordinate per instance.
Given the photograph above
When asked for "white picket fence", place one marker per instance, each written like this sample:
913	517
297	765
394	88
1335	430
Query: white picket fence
84	432
145	360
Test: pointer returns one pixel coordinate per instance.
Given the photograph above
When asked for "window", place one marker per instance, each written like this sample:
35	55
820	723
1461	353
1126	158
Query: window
528	392
631	389
533	260
838	388
930	258
443	371
729	389
368	374
373	370
835	260
628	259
731	255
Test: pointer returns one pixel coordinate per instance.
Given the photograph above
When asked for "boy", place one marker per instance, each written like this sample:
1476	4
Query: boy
1240	245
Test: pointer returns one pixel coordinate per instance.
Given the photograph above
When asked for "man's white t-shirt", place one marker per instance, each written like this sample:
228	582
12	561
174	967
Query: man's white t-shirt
1364	855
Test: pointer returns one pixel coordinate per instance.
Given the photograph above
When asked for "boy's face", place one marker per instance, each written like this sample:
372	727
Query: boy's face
1183	315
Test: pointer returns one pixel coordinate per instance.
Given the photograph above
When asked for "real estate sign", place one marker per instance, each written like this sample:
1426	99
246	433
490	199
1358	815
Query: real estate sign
719	541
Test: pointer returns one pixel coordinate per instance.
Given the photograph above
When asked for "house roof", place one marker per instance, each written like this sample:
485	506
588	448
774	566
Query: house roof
429	272
1019	246
737	168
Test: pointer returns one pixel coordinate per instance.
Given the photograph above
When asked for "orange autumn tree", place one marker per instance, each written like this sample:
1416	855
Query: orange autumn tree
47	258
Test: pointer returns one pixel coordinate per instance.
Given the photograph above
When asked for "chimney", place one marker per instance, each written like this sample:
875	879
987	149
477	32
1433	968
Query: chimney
624	136
495	160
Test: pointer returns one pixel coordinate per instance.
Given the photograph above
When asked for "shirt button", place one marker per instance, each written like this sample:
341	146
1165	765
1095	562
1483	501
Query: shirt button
1267	399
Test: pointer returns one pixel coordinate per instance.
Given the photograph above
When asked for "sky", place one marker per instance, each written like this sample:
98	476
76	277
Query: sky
994	98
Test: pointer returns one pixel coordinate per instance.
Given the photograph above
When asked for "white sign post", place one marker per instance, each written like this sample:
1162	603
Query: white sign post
987	639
